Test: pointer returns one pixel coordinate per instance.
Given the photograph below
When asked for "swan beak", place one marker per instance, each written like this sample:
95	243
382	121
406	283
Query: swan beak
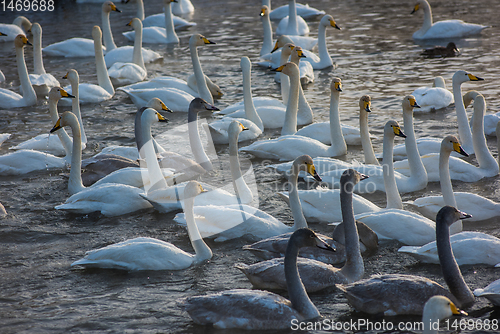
456	311
362	176
334	24
57	126
367	106
2	34
65	94
207	41
275	47
129	24
210	107
164	107
312	170
25	40
301	54
279	69
464	215
413	103
262	12
243	128
398	132
458	148
417	6
338	88
66	76
161	118
114	8
472	77
320	243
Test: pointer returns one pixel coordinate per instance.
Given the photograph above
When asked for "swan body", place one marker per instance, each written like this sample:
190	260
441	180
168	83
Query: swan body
257	309
84	47
304	11
225	223
4	137
443	29
492	292
315	274
396	294
182	7
293	24
153	254
10	99
433	98
20	26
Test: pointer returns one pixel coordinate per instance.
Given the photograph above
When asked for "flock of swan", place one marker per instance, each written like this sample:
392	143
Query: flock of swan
123	180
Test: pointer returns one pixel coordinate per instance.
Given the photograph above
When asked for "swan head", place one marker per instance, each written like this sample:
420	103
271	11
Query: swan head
36	29
305	163
56	93
440	307
21	41
199	40
328	20
415	8
135	23
281	42
193	189
439	82
365	102
409	102
264	11
158	105
96	33
297	53
449	214
450	143
109	6
289	69
336	86
150	116
392	128
350	177
72	76
65	119
22	22
198	104
235	128
469	97
305	237
462	76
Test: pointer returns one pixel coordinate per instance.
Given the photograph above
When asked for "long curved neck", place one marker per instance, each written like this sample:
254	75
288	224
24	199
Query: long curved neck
293	28
322	49
284	79
445	179
451	271
336	135
75	184
353	268
241	189
157	181
267	42
391	188
426	8
299	221
102	72
29	94
195	141
483	155
107	36
75	107
140	10
169	24
296	290
201	83
290	124
201	249
137	55
417	169
250	111
464	132
64	138
305	112
366	142
37	54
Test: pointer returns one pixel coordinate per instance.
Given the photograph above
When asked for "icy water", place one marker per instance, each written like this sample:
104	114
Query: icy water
375	55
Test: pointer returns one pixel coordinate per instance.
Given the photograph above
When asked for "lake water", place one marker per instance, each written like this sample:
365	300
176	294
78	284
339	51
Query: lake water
375	55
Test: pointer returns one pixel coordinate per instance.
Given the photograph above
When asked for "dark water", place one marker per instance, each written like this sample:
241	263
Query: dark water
375	55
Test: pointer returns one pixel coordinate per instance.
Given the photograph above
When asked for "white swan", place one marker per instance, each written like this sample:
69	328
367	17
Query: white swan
396	294
156	34
320	61
182	7
4	137
433	98
443	29
302	10
152	254
458	168
430	145
293	24
317	275
84	47
126	73
481	208
41	81
492	292
438	308
490	120
159	19
257	309
10	99
172	91
27	161
20	26
219	129
289	146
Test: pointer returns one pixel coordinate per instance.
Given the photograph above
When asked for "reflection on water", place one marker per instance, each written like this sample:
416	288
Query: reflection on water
375	55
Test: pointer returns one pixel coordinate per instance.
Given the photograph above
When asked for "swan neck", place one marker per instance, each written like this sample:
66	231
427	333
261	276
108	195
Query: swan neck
75	107
366	142
64	138
417	169
137	55
169	25
296	290
201	83
445	179
290	124
29	94
250	111
299	221
284	80
107	36
199	153
140	10
451	272
75	184
203	252
157	181
305	113
484	157
102	72
391	188
267	42
37	54
337	138
243	193
322	49
464	132
293	28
